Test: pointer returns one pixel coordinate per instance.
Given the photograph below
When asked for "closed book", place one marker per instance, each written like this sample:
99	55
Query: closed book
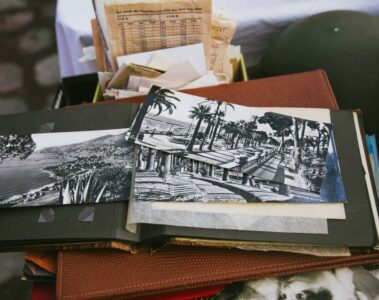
118	275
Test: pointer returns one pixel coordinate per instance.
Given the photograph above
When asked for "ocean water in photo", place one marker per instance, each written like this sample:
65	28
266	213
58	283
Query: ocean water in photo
20	176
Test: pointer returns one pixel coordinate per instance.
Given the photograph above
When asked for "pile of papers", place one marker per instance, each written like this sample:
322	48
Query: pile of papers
182	46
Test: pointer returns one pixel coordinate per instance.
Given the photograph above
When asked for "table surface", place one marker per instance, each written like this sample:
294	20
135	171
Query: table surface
259	21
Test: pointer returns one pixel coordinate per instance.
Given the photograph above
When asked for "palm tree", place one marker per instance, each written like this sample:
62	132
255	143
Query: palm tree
198	112
260	136
240	131
207	130
323	131
249	130
158	98
215	114
220	117
230	130
279	123
227	130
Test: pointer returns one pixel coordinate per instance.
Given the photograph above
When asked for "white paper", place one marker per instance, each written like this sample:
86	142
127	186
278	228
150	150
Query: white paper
207	80
176	77
305	210
144	213
161	61
194	53
104	78
127	94
134	83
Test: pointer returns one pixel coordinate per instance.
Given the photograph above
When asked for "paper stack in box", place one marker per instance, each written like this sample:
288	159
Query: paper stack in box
177	45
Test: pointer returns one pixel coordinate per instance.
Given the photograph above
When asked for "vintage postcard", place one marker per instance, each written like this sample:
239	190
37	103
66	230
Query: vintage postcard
347	283
190	180
65	168
204	150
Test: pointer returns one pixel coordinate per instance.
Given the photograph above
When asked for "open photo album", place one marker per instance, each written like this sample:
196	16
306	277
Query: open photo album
190	167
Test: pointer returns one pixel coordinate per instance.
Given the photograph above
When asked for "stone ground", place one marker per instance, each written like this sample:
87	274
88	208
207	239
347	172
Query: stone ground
29	75
29	71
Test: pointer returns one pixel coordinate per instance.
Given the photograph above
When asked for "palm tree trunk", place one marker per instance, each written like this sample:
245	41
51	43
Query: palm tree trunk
282	143
138	122
214	134
205	136
194	135
297	145
232	140
219	132
216	112
318	143
237	141
212	129
304	125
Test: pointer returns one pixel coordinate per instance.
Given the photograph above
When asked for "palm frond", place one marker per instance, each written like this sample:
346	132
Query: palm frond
101	193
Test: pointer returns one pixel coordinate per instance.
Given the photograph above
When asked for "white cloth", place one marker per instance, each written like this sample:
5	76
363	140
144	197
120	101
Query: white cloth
73	21
259	21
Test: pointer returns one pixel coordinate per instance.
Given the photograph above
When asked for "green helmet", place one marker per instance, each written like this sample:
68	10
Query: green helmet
343	43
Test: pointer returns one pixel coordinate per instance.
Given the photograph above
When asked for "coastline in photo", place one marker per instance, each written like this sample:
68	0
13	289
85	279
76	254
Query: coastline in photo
65	168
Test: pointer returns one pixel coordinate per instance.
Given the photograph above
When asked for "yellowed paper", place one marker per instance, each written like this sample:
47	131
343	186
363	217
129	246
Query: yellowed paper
100	55
157	24
178	76
234	54
222	31
120	79
194	53
316	250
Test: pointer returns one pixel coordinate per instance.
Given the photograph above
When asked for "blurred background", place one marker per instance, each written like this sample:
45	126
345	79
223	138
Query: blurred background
29	74
29	70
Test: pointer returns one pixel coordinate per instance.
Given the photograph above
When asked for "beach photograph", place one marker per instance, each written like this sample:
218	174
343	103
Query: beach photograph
65	168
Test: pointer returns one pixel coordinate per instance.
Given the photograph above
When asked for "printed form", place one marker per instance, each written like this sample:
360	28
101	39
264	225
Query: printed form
141	27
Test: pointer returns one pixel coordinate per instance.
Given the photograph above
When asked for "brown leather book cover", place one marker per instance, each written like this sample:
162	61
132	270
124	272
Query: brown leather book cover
115	274
308	89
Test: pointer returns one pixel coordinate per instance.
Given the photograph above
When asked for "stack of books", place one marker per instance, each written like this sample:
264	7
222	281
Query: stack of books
178	184
191	206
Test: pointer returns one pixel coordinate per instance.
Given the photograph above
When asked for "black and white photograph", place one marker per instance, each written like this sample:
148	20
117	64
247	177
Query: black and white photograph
65	168
194	149
339	284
